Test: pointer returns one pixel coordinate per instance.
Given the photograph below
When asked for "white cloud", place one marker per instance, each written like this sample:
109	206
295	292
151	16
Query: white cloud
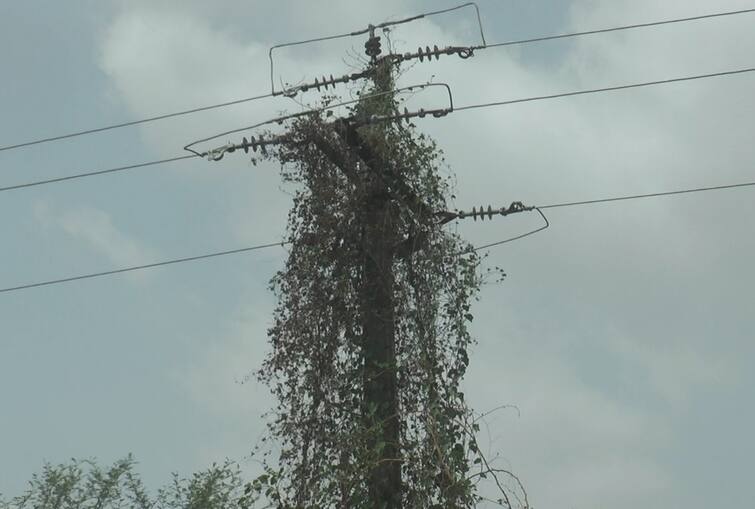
96	228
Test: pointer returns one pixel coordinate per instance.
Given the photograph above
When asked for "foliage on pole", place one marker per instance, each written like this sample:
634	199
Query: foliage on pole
328	444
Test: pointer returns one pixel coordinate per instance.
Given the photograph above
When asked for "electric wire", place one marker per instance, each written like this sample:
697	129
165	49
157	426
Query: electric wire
605	89
616	29
455	108
263	96
141	267
648	195
608	200
281	119
96	172
477	248
133	122
236	101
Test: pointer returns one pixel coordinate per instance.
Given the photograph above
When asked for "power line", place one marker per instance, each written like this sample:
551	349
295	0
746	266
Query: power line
459	108
314	111
616	29
608	200
452	108
274	93
605	89
467	51
96	172
648	195
141	267
485	246
133	122
247	99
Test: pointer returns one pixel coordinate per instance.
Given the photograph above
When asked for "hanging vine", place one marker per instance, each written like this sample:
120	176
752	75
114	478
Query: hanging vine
315	368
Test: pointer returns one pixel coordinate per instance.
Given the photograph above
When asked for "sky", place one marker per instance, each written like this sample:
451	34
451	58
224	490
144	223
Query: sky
620	344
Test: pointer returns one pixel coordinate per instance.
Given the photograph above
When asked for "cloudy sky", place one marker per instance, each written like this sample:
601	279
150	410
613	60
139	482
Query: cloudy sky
623	334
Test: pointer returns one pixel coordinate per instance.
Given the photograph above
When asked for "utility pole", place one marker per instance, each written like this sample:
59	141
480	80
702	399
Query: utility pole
347	426
381	406
380	239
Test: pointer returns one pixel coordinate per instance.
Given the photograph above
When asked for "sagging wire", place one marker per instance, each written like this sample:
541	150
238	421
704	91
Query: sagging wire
516	237
369	30
514	208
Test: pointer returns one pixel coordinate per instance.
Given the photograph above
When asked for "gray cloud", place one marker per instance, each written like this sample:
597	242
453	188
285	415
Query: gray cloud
616	329
595	381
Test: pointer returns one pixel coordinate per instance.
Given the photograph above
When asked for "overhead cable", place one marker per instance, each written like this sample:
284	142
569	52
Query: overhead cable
332	81
605	89
219	152
133	122
648	195
615	29
607	200
468	51
485	246
141	267
398	117
96	172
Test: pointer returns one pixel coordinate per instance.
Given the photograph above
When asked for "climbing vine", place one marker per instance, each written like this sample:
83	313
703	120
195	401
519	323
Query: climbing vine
315	367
